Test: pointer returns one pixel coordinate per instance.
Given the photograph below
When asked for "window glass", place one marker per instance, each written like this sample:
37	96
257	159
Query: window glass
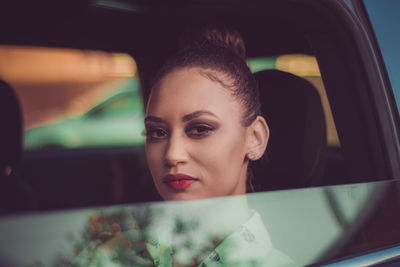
285	228
384	18
77	98
116	106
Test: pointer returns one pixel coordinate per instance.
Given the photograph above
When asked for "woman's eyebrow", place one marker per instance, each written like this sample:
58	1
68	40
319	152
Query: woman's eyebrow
153	119
196	114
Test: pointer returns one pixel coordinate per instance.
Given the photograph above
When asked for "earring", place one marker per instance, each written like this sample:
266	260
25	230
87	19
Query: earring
251	155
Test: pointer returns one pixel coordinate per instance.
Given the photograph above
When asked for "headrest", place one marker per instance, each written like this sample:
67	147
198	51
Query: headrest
11	127
295	152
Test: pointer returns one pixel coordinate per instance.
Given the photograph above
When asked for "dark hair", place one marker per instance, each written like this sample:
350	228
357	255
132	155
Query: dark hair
220	56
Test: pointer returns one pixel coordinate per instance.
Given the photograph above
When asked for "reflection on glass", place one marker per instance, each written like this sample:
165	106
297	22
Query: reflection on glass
207	232
281	228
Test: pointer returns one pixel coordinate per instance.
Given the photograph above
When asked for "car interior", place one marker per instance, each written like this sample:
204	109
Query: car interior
293	109
298	151
298	155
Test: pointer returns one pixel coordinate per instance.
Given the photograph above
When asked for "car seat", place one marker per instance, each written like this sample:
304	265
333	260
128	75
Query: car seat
295	155
15	195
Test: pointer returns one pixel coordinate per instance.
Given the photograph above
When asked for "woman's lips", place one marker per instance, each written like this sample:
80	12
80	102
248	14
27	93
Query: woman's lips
179	181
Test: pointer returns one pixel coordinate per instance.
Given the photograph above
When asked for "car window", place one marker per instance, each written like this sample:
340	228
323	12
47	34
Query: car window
383	15
141	235
118	105
68	82
69	101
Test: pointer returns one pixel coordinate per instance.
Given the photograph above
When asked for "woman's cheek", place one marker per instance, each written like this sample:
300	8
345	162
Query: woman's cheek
215	158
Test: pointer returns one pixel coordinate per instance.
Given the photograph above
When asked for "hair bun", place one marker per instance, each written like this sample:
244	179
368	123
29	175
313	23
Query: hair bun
215	36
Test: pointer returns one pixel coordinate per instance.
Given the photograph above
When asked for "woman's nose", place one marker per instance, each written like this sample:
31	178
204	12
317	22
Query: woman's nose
175	151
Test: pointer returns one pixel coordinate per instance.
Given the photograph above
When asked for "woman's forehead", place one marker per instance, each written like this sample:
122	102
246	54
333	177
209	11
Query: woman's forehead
188	89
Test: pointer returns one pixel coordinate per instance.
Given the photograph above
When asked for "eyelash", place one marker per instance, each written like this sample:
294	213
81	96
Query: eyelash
195	130
202	129
152	132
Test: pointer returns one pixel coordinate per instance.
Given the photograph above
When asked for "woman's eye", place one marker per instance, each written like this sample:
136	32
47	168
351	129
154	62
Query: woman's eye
199	130
156	133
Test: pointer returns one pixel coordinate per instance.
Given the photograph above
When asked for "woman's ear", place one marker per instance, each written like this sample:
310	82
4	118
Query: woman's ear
258	135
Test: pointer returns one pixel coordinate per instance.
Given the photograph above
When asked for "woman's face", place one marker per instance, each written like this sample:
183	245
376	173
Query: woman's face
196	144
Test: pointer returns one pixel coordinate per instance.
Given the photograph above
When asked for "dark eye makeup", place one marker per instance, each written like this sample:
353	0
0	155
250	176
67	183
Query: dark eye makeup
156	133
197	129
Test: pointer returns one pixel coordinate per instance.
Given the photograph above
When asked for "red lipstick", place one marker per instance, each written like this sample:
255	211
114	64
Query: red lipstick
179	181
